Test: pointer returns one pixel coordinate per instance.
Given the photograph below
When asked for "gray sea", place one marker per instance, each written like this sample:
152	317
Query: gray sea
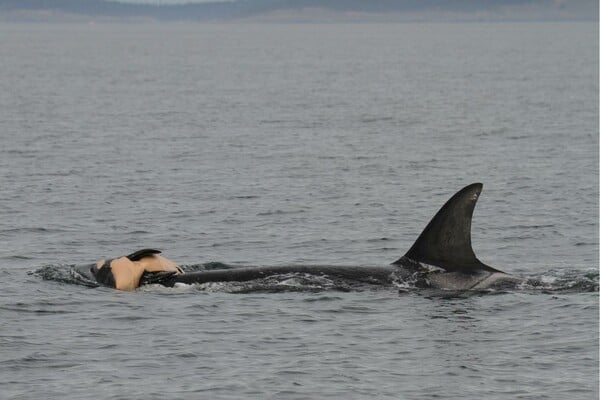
300	144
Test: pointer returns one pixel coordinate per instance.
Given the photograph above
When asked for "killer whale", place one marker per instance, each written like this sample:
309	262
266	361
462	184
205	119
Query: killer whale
441	257
129	272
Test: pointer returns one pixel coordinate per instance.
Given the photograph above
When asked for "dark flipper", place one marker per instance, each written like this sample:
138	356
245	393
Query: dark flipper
138	255
446	241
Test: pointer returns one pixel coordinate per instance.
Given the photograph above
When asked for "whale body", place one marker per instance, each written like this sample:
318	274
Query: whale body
441	257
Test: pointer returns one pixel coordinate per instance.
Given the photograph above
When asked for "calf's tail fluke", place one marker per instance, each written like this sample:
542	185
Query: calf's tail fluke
446	240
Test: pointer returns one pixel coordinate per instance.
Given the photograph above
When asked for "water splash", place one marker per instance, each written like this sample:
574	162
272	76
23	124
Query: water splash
63	273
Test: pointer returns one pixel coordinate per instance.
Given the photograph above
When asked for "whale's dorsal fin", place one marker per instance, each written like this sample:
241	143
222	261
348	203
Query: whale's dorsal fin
138	255
446	240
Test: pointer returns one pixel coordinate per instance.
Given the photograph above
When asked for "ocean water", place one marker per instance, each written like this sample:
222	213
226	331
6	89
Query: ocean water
304	144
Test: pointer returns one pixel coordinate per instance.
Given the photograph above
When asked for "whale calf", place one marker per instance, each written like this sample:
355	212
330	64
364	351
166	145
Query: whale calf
129	272
442	257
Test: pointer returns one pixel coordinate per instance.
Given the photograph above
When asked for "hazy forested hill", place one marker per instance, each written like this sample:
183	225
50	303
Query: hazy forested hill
457	9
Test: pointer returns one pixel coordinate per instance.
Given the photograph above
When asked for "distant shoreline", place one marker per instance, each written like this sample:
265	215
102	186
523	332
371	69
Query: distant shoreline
286	11
60	18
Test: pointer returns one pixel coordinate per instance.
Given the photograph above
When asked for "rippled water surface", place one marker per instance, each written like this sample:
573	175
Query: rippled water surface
304	144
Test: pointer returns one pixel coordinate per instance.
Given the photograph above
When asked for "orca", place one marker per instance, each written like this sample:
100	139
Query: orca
442	257
138	268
